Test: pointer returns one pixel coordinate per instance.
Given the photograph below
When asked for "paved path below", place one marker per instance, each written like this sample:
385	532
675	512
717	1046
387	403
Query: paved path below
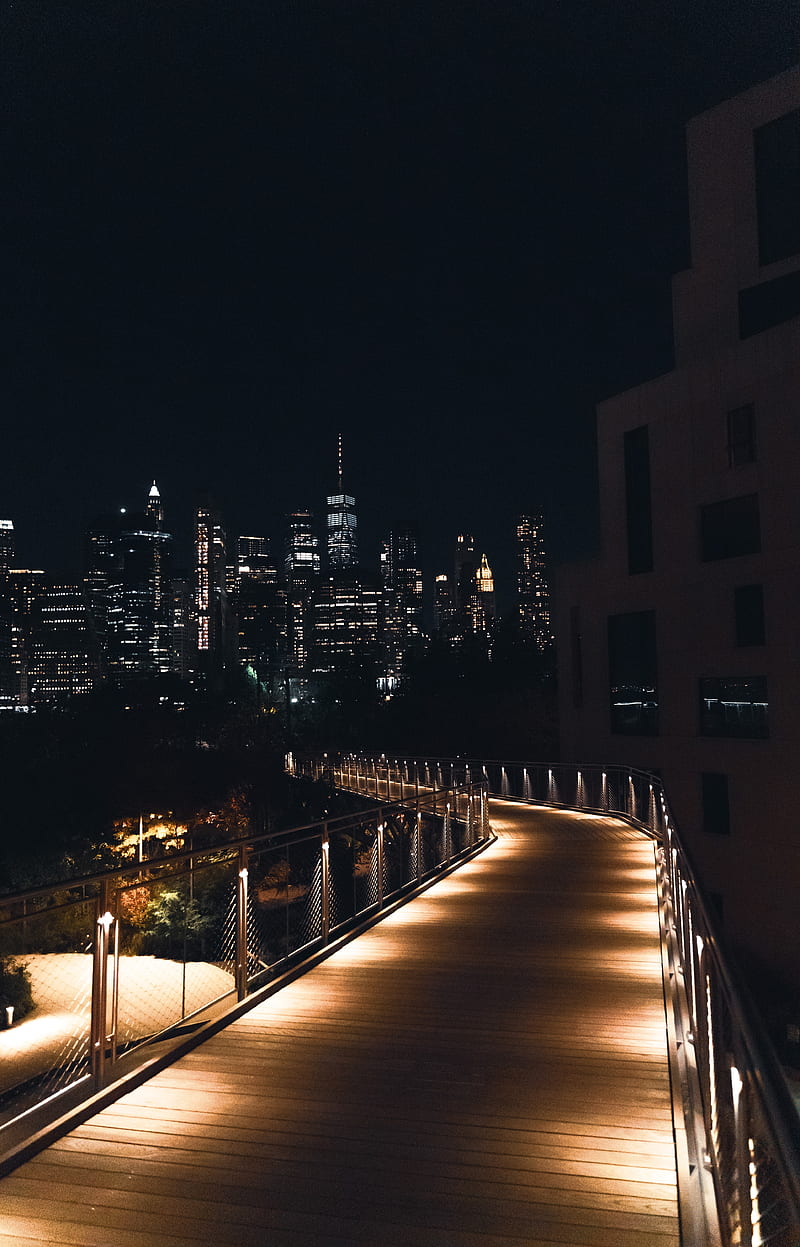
486	1066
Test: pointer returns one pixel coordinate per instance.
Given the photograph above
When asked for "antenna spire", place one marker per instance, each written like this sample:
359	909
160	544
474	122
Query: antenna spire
340	463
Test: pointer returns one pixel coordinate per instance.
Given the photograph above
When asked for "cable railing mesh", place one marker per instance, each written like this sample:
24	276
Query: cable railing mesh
155	948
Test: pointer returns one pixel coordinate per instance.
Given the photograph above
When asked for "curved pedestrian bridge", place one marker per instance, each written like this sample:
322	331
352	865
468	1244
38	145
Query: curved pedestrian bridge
487	1065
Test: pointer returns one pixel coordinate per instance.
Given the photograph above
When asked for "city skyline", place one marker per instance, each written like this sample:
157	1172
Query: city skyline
181	531
444	232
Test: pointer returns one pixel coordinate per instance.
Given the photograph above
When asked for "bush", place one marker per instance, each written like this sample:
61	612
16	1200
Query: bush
15	987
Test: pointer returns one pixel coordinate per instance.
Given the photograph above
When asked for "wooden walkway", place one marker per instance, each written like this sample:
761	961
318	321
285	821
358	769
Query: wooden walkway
486	1066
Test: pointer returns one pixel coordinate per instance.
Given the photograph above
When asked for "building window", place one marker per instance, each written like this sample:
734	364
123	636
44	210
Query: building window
741	436
777	161
638	513
716	808
769	304
734	706
730	528
633	673
748	608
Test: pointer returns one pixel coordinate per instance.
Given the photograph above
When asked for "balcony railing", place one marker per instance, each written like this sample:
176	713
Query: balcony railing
128	964
735	1120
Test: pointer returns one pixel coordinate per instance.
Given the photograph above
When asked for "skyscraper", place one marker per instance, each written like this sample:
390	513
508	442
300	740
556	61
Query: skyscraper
62	654
8	684
464	569
443	606
402	590
6	545
533	594
347	621
302	569
261	610
210	596
473	585
342	525
483	609
127	580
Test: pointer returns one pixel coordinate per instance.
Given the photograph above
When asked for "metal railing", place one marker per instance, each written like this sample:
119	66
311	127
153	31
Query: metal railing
152	950
735	1122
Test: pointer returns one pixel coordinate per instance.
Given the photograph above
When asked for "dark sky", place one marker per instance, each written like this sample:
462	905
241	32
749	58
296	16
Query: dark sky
230	230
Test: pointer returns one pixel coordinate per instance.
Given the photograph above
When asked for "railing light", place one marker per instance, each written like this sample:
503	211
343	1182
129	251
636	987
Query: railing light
243	873
105	921
736	1085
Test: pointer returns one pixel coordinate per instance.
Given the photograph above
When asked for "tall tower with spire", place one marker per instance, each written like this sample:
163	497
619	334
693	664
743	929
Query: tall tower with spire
155	509
342	524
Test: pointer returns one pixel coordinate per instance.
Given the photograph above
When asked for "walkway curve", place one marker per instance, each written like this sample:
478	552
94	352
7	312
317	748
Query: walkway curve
486	1066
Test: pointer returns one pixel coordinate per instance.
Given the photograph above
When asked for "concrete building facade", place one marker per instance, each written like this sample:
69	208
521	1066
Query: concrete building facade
678	644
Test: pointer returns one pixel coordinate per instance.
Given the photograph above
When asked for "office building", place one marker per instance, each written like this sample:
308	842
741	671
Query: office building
261	611
8	682
346	622
342	525
211	614
482	606
254	559
533	592
127	579
62	656
401	577
302	565
6	545
444	611
678	644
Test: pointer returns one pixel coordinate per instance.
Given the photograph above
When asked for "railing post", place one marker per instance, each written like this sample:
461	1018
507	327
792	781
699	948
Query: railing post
97	1025
326	884
241	926
418	834
741	1152
380	858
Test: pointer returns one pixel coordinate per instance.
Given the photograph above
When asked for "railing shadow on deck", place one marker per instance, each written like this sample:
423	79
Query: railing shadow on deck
130	967
736	1127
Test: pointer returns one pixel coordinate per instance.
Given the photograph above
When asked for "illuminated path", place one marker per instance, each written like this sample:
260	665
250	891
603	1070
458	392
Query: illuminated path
486	1066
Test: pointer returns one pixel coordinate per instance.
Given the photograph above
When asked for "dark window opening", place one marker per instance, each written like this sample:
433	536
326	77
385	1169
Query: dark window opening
777	161
748	608
716	807
638	510
633	675
741	436
730	528
768	304
735	706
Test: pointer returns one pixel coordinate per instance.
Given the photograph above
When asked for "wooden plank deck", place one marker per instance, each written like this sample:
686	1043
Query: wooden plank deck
486	1066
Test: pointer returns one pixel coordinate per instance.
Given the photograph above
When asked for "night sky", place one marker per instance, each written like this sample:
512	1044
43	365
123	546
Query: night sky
230	230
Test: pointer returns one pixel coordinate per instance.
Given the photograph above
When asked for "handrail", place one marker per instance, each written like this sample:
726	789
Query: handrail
181	936
741	1125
